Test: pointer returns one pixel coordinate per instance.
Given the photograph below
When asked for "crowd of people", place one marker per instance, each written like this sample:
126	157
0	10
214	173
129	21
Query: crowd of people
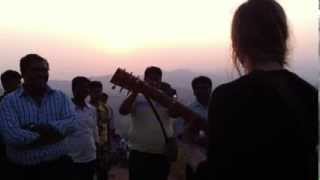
263	125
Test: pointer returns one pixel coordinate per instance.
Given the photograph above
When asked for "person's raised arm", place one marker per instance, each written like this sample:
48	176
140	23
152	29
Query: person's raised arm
126	106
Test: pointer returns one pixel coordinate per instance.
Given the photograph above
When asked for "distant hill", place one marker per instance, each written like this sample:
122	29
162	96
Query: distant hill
179	79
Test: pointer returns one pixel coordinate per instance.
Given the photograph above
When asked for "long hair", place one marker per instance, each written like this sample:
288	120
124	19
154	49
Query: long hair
259	33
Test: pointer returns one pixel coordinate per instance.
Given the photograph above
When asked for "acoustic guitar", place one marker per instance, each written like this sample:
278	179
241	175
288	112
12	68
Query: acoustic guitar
128	81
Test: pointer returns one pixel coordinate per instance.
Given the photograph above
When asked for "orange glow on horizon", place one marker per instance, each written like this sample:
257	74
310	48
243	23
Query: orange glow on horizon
105	34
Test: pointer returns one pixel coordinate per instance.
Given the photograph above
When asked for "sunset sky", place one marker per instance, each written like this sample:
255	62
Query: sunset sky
94	37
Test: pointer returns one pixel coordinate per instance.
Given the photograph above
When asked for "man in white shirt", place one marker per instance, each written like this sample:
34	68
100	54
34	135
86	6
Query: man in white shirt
83	140
146	140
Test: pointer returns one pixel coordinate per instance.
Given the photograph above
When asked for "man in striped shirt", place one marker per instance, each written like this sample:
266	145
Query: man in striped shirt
34	122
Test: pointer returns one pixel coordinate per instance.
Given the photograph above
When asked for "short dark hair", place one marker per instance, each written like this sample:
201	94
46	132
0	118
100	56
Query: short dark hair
95	84
152	70
78	80
29	59
10	74
259	33
201	80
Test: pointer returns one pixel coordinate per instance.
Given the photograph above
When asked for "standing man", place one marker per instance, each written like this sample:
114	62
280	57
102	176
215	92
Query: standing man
10	81
146	141
104	119
34	121
196	146
104	100
83	141
115	139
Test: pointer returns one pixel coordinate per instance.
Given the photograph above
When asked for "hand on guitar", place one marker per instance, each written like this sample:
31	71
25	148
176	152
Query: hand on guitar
173	109
195	132
126	106
138	87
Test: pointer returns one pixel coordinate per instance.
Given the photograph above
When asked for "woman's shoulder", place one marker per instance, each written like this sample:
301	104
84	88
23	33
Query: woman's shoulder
259	81
232	87
243	85
226	91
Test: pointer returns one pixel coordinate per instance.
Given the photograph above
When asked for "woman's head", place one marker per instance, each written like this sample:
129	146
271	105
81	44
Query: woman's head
259	33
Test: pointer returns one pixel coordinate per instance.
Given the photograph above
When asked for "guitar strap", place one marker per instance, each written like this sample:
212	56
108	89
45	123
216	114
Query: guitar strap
158	118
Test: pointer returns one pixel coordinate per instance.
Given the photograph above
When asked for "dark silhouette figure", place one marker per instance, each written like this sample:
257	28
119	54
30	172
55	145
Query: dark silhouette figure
202	89
264	124
83	141
96	91
35	120
10	81
104	99
104	121
80	90
167	89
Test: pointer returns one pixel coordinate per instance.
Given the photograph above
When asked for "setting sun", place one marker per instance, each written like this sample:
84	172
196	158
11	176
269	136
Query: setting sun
121	24
105	34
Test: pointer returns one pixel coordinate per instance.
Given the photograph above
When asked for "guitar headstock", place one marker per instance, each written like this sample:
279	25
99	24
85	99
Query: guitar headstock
125	80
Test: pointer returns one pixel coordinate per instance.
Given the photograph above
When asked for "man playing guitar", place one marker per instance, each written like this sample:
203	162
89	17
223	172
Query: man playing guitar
151	88
146	141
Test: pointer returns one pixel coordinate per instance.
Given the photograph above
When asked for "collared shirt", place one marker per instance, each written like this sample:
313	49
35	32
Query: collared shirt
195	107
145	134
82	141
199	109
194	152
18	109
